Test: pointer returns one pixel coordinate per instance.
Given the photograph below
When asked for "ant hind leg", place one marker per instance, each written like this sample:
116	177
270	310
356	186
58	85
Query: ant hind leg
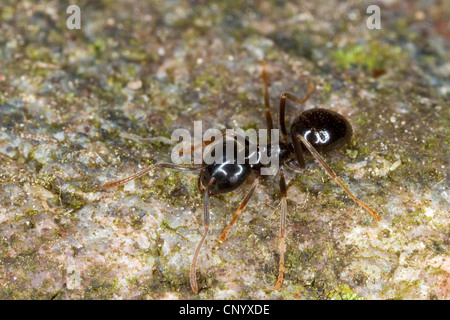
334	176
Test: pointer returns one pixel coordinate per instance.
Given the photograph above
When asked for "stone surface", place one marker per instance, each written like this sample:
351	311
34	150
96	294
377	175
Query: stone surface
82	107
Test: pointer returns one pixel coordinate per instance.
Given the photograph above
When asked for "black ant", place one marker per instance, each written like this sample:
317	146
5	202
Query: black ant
315	130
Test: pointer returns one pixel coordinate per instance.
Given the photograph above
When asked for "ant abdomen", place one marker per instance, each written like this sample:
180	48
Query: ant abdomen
325	129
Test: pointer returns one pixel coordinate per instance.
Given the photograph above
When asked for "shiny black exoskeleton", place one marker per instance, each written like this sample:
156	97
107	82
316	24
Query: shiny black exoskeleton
229	174
326	130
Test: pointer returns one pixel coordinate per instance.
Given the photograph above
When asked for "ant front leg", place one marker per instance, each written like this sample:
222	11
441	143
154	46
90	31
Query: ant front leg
240	209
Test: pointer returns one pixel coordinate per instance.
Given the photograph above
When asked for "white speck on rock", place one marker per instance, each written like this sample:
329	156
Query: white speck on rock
74	281
134	85
395	165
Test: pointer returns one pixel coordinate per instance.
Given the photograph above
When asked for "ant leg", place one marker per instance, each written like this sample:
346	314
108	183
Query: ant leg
193	275
335	177
293	165
266	97
239	210
290	96
298	153
199	184
201	144
193	148
144	171
283	191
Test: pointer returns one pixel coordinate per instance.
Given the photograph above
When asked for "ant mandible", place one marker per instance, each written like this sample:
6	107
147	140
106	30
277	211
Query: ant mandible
315	130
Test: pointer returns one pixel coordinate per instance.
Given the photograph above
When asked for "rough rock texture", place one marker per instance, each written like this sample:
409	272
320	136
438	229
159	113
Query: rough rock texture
79	108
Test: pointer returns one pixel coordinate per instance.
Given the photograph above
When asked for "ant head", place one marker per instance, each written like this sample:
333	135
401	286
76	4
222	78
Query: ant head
227	165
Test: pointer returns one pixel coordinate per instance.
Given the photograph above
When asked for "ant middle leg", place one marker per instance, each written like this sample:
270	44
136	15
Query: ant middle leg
298	151
266	97
282	111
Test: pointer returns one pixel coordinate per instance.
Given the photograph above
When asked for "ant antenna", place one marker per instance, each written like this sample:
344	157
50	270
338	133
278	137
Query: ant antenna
283	191
144	171
193	275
